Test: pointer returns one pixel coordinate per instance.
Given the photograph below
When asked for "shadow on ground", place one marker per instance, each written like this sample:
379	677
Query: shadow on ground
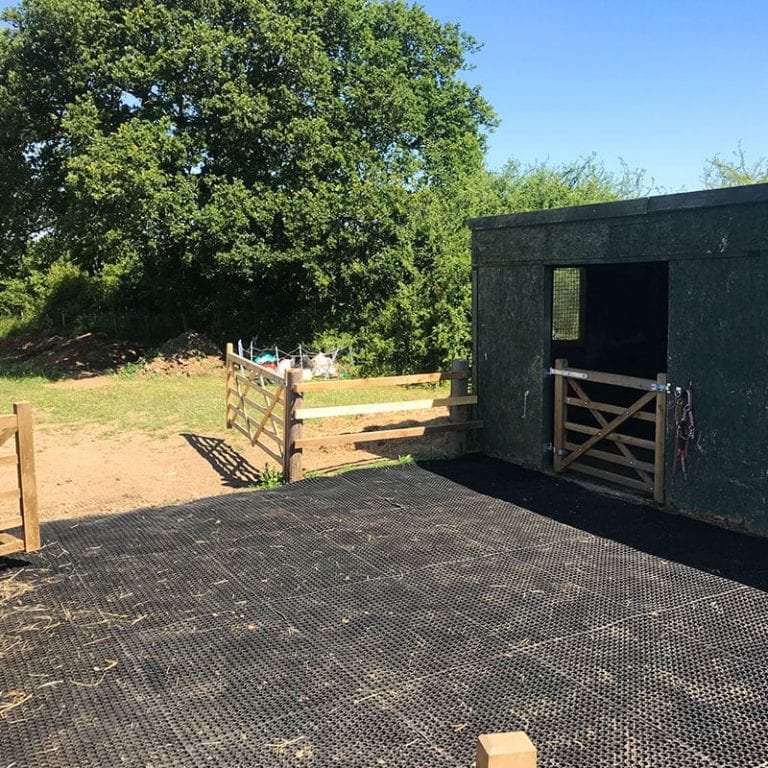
731	554
235	470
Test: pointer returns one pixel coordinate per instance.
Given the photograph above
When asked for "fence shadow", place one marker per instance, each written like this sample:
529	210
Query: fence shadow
235	470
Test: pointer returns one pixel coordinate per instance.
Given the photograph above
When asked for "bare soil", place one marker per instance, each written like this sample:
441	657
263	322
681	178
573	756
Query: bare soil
71	357
189	354
88	473
90	355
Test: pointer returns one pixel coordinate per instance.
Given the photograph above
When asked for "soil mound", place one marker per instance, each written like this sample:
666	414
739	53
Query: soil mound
189	354
72	357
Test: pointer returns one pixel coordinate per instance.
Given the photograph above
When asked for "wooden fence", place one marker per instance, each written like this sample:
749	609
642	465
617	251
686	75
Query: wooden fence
19	425
278	413
631	457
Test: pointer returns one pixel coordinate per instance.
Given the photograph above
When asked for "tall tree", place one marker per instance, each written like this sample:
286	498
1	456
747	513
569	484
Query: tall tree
251	165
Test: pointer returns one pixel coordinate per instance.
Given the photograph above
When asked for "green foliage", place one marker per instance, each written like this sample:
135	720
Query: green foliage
584	181
229	165
269	478
426	321
295	171
736	172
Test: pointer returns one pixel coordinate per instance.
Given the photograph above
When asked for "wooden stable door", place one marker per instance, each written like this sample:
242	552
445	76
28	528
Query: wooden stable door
611	427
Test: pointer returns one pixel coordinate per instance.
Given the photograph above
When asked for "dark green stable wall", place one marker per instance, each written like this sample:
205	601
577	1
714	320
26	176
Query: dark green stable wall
511	349
718	339
716	244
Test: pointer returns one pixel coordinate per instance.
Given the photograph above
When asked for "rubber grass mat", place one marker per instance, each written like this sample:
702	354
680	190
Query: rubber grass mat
386	618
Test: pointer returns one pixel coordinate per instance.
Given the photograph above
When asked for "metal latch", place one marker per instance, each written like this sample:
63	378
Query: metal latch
563	372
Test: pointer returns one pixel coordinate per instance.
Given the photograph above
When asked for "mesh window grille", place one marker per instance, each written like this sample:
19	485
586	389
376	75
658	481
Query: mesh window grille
566	304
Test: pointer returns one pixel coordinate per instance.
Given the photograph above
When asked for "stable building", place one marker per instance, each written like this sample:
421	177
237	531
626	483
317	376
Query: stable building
627	343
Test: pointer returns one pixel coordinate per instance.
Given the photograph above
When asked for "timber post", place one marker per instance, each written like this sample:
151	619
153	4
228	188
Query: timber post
25	450
293	427
230	380
458	413
659	438
561	405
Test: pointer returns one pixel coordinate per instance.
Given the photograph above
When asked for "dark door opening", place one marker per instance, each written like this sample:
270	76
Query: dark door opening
611	317
610	321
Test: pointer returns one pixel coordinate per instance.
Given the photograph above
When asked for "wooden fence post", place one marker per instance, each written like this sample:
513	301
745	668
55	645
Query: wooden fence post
25	450
661	430
561	409
293	427
505	750
458	413
230	380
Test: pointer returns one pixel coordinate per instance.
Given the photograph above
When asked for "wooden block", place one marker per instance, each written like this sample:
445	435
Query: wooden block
505	750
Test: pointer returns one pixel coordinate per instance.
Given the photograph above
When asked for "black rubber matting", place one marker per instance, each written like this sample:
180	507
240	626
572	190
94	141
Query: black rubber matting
386	617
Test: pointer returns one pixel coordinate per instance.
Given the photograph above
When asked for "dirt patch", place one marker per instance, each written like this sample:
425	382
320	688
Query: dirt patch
72	357
89	356
339	455
89	473
189	354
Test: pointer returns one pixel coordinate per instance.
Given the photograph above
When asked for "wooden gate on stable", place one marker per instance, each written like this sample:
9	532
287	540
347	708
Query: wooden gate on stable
611	427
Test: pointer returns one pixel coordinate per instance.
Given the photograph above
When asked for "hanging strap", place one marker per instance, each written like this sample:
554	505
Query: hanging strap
685	429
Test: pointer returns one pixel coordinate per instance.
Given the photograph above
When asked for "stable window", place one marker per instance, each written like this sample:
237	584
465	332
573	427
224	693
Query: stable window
567	304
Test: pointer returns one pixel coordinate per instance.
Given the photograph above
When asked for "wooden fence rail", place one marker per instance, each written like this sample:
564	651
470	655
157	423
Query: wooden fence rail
19	425
262	404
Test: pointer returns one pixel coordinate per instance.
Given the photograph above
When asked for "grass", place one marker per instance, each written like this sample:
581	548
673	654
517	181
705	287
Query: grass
155	404
162	404
377	394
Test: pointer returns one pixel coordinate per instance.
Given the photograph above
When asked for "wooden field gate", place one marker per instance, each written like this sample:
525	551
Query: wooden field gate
256	398
268	409
621	441
18	425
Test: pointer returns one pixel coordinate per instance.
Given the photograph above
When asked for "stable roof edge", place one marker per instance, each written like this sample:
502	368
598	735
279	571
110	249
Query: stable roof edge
707	198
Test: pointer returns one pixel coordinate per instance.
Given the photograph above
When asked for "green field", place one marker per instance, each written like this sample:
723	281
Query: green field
161	404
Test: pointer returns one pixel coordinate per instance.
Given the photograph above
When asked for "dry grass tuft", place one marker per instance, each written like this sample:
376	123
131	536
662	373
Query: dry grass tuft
12	589
12	699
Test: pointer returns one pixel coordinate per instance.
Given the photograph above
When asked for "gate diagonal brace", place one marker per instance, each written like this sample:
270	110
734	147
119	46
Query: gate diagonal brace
603	423
618	421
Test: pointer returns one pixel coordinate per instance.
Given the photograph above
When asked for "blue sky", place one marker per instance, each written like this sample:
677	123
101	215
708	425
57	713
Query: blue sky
663	84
